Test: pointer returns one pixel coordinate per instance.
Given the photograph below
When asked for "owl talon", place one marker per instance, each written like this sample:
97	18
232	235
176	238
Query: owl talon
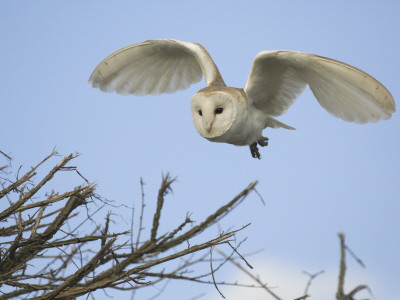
263	141
254	151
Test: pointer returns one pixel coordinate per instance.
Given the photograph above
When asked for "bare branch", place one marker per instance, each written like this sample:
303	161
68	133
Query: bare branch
355	257
342	269
141	213
4	214
37	222
312	277
252	276
76	277
302	297
7	156
165	188
212	274
340	294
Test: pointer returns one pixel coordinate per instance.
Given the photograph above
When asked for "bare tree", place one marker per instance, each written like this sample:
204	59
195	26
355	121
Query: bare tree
44	255
38	232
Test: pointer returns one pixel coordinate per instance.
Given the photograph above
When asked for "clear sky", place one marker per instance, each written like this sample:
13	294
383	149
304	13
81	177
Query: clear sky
326	177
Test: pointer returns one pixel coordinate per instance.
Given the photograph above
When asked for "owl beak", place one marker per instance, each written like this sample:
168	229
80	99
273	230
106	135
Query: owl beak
209	128
208	124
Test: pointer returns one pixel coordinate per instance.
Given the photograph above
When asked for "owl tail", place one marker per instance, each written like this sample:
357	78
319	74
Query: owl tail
274	123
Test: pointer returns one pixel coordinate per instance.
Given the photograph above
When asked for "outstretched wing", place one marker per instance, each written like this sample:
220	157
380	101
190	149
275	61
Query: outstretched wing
277	78
155	67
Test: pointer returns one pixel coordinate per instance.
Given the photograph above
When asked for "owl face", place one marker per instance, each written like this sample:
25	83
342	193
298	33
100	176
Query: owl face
213	111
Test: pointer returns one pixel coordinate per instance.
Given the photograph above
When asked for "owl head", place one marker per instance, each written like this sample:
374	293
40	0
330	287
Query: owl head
214	110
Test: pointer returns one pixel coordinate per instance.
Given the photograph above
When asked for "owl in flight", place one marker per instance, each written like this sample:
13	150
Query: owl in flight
238	115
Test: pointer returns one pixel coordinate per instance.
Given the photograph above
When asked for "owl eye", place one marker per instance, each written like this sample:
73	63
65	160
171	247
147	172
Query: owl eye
200	112
219	110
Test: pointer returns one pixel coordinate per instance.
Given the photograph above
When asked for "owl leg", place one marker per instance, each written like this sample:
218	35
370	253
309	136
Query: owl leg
254	150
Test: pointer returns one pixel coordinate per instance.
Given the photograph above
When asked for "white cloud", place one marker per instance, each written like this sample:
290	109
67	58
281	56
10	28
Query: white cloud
288	281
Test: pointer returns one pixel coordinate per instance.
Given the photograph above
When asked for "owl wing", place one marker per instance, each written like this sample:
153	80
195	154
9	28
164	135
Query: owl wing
277	78
155	67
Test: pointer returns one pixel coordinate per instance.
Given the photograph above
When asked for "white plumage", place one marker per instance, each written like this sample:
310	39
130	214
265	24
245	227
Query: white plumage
238	116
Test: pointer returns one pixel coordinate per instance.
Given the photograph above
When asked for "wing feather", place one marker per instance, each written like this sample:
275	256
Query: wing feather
155	67
277	78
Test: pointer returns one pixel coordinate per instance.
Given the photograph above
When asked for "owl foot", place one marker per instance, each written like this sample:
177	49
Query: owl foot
254	150
263	141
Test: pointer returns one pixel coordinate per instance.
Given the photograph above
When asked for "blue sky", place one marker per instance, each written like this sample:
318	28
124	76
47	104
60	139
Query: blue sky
326	177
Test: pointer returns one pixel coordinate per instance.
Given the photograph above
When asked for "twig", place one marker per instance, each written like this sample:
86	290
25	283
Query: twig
105	231
141	213
234	249
171	275
302	297
212	274
165	188
18	183
51	200
179	228
358	289
37	222
82	240
72	168
312	276
342	268
4	214
356	258
256	279
259	195
8	157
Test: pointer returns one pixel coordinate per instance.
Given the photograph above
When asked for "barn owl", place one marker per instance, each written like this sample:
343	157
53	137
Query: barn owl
238	115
